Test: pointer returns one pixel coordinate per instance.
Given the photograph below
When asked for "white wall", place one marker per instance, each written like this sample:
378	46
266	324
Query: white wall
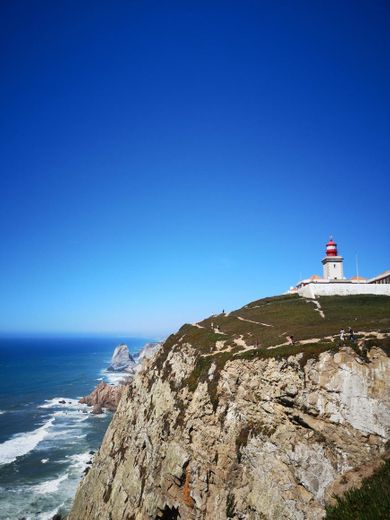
312	290
333	269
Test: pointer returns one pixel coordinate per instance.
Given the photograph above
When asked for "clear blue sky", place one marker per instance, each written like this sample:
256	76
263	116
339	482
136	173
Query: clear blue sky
161	161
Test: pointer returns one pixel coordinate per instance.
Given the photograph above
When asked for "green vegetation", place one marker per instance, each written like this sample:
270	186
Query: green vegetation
290	314
230	506
384	344
309	351
370	502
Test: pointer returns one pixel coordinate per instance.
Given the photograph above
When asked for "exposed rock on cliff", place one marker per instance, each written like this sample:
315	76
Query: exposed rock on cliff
212	428
104	396
148	351
122	360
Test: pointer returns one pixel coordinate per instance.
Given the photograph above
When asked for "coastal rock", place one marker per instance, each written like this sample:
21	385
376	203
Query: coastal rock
122	360
97	409
104	396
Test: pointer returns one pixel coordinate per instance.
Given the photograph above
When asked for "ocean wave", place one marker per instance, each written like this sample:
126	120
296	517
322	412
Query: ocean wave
2	412
76	416
22	443
79	461
114	378
81	436
49	514
58	402
50	486
100	416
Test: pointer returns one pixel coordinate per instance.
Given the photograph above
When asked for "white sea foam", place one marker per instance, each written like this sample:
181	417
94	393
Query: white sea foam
23	443
81	436
55	403
79	461
50	486
115	378
76	416
44	461
102	415
49	514
2	412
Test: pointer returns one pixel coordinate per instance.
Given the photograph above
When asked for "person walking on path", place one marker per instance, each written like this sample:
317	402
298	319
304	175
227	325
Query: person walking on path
351	334
342	332
290	340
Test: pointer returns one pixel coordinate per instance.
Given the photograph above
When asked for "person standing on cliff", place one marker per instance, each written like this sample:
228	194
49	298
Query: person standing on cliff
351	334
342	332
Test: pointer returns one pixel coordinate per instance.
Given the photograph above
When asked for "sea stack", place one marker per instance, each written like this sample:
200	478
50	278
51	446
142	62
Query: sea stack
121	360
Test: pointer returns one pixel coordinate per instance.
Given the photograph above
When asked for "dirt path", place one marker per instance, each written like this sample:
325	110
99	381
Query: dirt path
241	343
255	322
318	307
197	325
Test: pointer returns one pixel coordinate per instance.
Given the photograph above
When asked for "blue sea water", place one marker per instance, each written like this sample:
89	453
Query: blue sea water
45	444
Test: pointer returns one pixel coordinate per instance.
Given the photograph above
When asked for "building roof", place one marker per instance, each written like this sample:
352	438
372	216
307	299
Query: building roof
385	274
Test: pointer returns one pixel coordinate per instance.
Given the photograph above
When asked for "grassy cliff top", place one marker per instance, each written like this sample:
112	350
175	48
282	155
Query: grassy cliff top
267	322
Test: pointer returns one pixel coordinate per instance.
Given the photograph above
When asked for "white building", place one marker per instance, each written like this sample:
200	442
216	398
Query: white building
333	281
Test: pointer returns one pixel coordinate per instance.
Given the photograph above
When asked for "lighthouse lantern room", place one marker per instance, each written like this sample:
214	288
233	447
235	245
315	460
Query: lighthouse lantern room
333	264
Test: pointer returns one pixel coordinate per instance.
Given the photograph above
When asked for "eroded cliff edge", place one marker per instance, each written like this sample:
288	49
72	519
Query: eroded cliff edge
217	426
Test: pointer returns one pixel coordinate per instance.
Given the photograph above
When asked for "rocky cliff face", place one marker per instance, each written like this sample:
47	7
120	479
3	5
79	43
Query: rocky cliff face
262	438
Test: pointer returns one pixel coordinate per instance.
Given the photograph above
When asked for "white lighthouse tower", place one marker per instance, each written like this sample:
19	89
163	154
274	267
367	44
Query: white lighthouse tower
333	264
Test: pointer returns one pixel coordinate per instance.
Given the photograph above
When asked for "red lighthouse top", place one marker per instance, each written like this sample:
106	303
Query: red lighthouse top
331	248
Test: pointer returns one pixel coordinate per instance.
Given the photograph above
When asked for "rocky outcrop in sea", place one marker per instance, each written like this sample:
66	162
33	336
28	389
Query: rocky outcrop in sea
107	396
103	396
122	360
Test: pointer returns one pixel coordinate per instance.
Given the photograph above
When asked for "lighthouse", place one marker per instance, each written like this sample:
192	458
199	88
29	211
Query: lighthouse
333	282
333	264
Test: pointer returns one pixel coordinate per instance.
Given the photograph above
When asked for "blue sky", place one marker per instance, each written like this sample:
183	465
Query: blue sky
161	161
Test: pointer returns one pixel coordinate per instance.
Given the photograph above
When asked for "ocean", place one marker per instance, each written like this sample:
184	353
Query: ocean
45	445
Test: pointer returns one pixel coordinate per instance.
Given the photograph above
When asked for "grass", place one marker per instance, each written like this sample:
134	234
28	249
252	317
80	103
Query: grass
292	315
309	351
370	502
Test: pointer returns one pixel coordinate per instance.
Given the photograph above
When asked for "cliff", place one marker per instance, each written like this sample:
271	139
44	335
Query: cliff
228	420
